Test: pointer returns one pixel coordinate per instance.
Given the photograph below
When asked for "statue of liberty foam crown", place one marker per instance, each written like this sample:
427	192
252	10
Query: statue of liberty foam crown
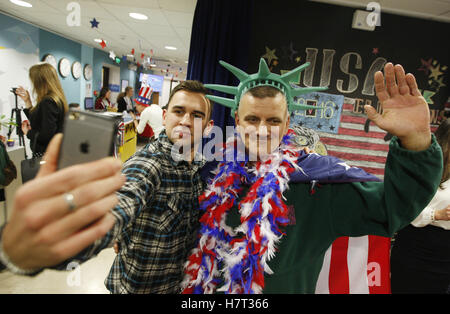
263	77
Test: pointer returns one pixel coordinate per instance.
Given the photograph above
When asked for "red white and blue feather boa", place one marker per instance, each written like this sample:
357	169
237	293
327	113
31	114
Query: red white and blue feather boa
238	258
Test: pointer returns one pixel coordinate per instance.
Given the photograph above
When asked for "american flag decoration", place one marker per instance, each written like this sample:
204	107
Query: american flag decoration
145	94
355	146
356	265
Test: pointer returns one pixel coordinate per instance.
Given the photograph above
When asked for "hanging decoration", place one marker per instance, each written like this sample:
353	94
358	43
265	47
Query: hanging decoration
103	44
94	23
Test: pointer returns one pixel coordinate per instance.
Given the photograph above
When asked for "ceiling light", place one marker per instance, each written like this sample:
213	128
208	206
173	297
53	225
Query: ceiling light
21	3
138	16
153	65
170	48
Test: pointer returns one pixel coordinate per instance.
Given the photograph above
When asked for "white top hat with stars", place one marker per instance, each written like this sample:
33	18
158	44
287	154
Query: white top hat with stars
144	95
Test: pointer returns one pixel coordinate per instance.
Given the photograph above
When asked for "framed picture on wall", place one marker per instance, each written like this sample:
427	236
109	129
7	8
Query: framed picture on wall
124	85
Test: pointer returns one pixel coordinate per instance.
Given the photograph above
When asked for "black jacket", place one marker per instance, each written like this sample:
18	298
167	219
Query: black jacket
46	120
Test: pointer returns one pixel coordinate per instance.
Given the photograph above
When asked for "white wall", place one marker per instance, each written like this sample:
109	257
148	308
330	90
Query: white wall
164	96
14	66
114	78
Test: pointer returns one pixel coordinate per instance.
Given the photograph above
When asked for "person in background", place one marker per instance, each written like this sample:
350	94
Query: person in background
103	102
150	114
124	101
47	117
420	256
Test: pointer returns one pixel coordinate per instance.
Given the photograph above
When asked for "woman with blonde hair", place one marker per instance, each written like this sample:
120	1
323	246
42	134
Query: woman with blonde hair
124	101
47	117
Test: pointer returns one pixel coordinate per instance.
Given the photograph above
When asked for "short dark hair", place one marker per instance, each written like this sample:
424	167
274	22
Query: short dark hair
194	87
264	91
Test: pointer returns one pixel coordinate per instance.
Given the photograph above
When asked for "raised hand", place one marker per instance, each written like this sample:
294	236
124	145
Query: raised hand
25	95
405	113
44	230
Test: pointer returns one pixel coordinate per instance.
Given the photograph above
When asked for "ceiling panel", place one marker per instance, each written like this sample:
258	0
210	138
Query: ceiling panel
155	16
179	19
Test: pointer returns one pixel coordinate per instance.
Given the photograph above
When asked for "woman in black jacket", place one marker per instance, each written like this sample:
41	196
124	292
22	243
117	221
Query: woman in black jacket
124	101
47	117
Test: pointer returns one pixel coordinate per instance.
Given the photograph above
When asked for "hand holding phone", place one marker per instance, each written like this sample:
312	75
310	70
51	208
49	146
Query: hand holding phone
87	137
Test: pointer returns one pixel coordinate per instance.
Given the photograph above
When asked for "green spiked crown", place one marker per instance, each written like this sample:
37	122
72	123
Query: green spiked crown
263	78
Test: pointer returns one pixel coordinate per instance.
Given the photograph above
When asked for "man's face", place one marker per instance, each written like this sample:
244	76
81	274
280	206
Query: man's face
185	110
262	123
140	108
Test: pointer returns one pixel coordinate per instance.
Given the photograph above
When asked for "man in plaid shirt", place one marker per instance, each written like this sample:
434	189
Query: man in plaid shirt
156	219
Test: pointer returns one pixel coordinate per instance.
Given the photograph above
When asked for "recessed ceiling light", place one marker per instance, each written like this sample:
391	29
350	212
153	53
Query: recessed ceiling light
170	48
21	3
138	16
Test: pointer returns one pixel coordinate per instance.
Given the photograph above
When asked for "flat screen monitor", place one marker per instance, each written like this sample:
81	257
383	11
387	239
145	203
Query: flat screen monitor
88	103
155	81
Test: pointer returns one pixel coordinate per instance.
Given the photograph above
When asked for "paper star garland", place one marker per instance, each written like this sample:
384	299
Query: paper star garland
375	51
103	44
112	55
94	23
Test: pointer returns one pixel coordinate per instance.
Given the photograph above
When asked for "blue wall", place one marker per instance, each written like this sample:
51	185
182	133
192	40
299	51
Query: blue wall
59	47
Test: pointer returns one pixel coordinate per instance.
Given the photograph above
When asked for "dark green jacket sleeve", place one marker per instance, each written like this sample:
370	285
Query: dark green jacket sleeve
382	208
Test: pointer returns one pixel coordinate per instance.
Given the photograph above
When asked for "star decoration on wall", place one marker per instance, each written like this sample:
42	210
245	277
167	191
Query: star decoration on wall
440	82
435	72
103	44
112	55
94	23
426	65
427	94
375	51
270	55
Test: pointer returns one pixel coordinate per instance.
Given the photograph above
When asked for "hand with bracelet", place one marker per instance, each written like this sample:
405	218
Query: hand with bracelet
59	213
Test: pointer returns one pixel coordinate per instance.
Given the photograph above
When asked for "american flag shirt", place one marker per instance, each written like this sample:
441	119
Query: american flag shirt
157	221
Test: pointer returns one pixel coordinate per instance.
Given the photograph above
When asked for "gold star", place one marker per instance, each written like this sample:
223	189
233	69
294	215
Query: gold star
298	59
435	73
270	55
440	81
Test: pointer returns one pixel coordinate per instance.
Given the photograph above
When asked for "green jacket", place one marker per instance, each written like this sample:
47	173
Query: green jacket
350	209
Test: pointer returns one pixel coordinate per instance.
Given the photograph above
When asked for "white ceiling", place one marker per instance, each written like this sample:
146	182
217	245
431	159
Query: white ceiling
169	23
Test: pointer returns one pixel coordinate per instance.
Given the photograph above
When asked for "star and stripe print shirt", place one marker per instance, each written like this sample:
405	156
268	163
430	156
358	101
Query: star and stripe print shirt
157	222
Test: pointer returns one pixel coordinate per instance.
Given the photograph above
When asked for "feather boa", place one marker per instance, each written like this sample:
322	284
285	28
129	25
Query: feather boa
239	257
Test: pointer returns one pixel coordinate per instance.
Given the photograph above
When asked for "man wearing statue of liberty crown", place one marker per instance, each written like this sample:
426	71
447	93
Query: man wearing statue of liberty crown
262	231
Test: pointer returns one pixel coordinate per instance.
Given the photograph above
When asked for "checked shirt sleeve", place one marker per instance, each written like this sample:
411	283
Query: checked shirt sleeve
143	180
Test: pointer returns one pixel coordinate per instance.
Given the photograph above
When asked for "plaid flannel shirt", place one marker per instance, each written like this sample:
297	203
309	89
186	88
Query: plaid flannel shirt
157	222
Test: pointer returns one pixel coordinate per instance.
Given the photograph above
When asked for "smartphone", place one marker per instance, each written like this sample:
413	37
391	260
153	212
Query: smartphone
88	136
